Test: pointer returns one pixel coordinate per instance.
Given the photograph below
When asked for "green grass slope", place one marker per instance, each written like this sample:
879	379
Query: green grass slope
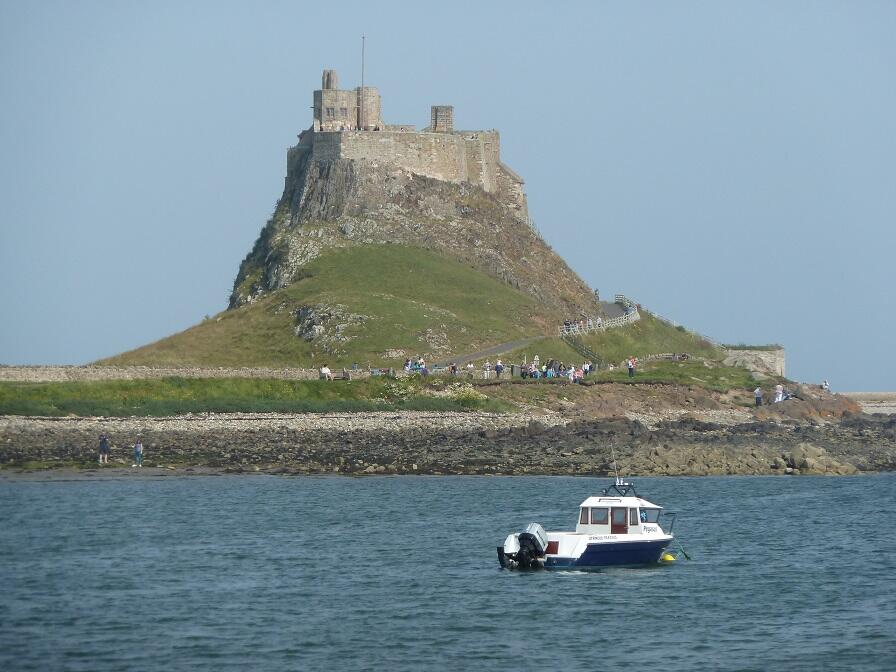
647	336
411	298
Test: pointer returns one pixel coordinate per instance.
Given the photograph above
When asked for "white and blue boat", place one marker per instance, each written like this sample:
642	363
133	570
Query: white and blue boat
615	528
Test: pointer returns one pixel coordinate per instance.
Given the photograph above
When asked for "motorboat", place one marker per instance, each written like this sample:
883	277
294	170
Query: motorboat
615	528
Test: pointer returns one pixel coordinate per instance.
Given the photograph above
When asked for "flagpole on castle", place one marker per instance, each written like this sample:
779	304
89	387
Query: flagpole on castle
361	120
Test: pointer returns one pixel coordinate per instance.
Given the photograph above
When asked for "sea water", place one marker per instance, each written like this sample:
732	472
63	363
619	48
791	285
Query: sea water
401	573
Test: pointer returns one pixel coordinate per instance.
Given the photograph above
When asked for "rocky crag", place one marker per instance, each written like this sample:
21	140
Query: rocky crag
352	183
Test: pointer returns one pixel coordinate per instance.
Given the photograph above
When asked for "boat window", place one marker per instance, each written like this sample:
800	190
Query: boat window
583	516
619	516
599	516
653	515
633	516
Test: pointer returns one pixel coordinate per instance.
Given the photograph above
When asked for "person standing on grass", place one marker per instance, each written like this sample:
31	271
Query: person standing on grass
631	367
104	449
758	394
138	453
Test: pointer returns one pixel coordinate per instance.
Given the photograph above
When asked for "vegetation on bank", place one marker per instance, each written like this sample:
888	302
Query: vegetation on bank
692	373
174	396
389	301
647	336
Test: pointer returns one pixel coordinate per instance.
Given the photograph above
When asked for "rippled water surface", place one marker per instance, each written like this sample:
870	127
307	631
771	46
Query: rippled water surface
400	573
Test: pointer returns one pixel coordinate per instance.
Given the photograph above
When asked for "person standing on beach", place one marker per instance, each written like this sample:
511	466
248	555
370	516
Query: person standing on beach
138	453
758	394
104	449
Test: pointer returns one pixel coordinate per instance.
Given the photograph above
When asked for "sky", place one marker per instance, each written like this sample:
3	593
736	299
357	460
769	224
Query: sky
730	166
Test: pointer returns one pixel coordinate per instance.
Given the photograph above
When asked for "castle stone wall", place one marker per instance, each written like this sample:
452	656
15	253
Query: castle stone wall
466	156
327	146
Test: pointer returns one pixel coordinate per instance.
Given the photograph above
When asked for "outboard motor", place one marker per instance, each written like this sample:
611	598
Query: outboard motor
523	550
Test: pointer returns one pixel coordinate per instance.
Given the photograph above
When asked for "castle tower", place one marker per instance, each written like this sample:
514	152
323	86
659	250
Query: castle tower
442	119
371	108
336	109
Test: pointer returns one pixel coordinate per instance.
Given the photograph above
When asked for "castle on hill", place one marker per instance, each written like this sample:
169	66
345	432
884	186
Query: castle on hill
348	124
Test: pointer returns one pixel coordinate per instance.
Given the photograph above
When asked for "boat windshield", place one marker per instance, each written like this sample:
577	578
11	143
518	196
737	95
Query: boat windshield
650	515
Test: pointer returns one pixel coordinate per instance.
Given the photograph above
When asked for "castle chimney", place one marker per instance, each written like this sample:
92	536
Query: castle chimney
329	80
442	119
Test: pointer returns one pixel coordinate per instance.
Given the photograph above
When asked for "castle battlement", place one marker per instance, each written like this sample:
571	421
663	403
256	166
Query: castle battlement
348	124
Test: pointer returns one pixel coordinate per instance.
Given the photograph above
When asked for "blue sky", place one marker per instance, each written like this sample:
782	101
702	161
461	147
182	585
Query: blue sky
728	165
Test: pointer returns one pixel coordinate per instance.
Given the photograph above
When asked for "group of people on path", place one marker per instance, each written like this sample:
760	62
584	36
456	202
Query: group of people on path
416	365
106	449
556	369
582	325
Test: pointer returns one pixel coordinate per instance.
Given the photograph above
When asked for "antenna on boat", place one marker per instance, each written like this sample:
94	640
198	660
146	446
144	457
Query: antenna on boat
615	468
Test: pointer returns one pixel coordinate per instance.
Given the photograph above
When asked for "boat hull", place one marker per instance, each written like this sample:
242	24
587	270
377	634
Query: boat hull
612	554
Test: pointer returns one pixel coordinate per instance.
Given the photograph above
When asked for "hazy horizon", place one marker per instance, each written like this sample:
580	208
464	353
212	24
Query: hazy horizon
730	167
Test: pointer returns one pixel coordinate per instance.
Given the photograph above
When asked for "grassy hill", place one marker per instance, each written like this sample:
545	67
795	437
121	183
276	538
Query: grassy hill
369	304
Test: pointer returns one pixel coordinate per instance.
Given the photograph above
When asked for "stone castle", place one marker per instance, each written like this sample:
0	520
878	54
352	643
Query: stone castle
348	124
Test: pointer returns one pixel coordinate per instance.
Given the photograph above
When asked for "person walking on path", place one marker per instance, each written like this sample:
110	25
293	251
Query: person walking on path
138	453
758	394
104	449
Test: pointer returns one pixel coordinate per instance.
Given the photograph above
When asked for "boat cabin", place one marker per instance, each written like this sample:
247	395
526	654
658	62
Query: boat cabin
617	511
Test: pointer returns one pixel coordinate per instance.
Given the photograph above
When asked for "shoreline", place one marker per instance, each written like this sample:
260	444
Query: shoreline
411	442
69	474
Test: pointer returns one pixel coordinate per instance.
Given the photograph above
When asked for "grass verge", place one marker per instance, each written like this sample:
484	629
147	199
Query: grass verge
176	396
713	377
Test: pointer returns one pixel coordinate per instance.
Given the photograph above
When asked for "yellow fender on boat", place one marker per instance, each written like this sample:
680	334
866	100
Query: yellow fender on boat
667	557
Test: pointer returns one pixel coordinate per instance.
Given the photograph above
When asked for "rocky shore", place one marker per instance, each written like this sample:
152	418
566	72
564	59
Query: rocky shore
462	443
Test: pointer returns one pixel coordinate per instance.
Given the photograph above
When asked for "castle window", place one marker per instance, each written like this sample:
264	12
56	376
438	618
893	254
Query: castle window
343	112
331	112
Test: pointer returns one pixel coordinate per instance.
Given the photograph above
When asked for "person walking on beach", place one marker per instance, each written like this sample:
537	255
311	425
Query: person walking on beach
758	394
138	453
104	449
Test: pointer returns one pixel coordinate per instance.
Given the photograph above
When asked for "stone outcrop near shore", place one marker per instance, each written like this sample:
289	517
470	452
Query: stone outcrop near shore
461	443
